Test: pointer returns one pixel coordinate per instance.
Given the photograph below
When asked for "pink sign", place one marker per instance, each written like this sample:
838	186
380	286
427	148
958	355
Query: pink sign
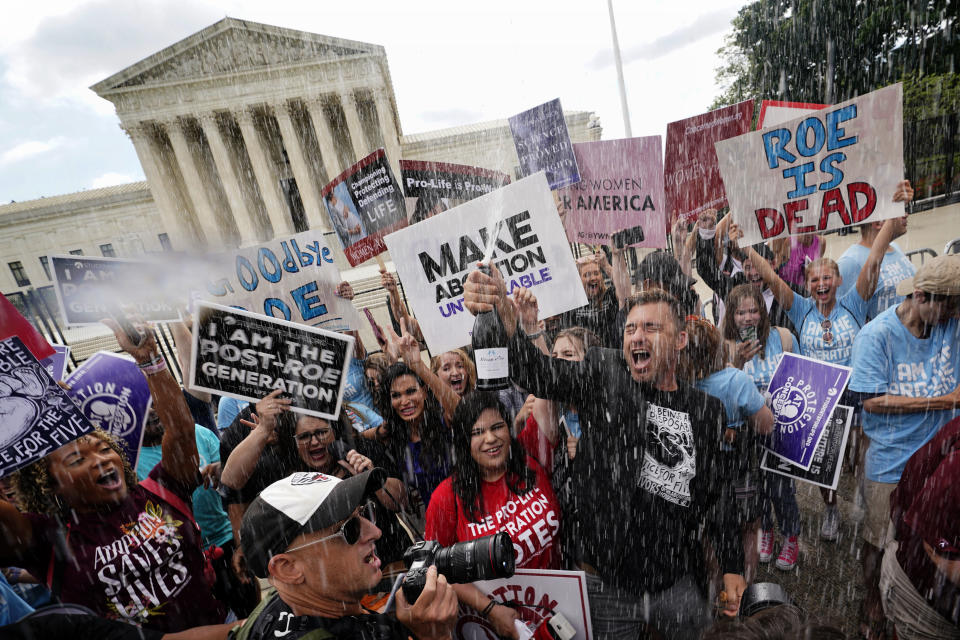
621	187
692	180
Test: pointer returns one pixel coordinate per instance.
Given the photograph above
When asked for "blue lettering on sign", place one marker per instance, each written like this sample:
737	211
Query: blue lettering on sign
271	276
289	264
773	145
800	186
835	139
310	306
276	303
803	134
829	165
251	280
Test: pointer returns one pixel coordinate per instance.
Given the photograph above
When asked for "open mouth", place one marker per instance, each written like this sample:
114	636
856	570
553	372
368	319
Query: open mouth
822	292
493	452
408	412
641	359
372	559
318	454
457	384
110	480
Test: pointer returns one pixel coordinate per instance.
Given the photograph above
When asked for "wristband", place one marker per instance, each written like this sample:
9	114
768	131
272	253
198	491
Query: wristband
154	366
486	610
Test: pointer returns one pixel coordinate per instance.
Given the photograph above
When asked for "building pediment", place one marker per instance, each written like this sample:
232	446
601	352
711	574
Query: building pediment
228	47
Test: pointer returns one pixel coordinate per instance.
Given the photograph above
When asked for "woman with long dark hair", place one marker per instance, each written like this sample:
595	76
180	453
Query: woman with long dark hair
495	486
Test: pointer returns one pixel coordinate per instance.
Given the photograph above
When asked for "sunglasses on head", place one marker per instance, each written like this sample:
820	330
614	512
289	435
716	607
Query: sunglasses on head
349	530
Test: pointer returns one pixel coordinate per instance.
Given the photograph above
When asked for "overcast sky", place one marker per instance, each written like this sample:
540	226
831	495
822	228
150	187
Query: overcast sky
452	63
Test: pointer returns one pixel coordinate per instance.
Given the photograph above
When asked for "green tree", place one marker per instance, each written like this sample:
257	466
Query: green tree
832	50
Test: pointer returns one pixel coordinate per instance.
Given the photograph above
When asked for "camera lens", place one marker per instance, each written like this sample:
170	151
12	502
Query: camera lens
481	559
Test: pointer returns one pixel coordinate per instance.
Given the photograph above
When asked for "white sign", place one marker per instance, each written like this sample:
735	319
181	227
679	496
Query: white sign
829	169
435	256
292	279
541	593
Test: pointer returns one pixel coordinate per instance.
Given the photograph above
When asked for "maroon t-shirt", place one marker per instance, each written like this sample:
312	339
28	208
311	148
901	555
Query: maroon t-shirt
925	507
140	562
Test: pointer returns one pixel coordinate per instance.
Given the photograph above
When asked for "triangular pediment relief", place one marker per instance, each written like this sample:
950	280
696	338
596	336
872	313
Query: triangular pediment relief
232	46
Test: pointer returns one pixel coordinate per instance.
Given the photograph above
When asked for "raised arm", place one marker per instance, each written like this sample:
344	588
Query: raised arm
180	458
781	290
243	459
183	341
620	275
870	273
529	310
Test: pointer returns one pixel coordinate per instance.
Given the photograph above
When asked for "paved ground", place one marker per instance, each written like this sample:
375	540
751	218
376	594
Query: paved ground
827	580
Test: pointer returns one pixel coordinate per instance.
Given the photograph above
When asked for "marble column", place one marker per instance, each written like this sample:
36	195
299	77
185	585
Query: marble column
321	128
197	191
309	193
176	228
388	128
359	140
267	179
242	213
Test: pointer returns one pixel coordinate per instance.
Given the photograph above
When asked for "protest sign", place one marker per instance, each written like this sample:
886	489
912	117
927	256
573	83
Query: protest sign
291	278
621	186
774	112
89	289
433	258
827	458
538	594
365	203
246	356
691	178
543	144
12	323
56	365
113	394
433	187
36	415
829	169
803	393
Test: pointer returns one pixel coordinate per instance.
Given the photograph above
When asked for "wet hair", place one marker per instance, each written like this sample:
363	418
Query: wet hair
584	337
35	485
586	261
287	429
380	363
820	262
466	472
737	295
432	426
471	375
703	354
653	296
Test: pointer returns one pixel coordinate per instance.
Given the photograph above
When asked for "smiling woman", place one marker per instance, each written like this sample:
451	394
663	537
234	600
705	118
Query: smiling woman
456	370
134	549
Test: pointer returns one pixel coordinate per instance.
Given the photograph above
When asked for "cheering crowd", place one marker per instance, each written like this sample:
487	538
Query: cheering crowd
627	447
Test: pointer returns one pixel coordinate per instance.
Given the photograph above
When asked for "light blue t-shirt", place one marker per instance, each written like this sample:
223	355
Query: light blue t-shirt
761	370
207	507
227	411
894	268
738	393
358	399
846	319
12	606
888	359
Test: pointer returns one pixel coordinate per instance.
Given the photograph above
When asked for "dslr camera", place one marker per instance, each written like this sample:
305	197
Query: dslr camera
481	559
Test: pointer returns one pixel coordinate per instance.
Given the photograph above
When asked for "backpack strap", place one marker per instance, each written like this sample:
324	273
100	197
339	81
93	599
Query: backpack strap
175	501
786	339
54	568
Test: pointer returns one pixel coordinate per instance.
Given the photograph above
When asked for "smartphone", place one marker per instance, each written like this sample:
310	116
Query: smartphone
627	237
748	333
377	331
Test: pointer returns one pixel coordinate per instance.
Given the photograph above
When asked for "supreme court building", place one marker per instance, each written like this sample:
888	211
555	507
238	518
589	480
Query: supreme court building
238	127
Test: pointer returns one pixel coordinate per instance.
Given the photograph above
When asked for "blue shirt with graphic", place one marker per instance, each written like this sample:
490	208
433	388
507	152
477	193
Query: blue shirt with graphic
888	359
761	369
207	508
846	318
738	393
894	268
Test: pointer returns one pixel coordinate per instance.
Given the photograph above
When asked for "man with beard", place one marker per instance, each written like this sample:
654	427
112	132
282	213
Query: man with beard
647	474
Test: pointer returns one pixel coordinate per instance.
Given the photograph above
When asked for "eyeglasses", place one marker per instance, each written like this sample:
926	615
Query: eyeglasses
494	429
349	530
319	434
827	335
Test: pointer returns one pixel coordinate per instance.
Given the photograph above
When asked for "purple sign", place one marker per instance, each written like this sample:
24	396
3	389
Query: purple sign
56	365
113	394
803	394
543	144
36	415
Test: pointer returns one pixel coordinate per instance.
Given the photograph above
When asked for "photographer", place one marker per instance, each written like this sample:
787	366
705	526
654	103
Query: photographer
313	536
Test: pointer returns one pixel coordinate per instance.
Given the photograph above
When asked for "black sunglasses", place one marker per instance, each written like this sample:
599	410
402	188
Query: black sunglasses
349	530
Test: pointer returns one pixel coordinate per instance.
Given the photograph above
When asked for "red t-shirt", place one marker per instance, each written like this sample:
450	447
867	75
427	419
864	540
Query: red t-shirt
537	444
532	520
140	562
